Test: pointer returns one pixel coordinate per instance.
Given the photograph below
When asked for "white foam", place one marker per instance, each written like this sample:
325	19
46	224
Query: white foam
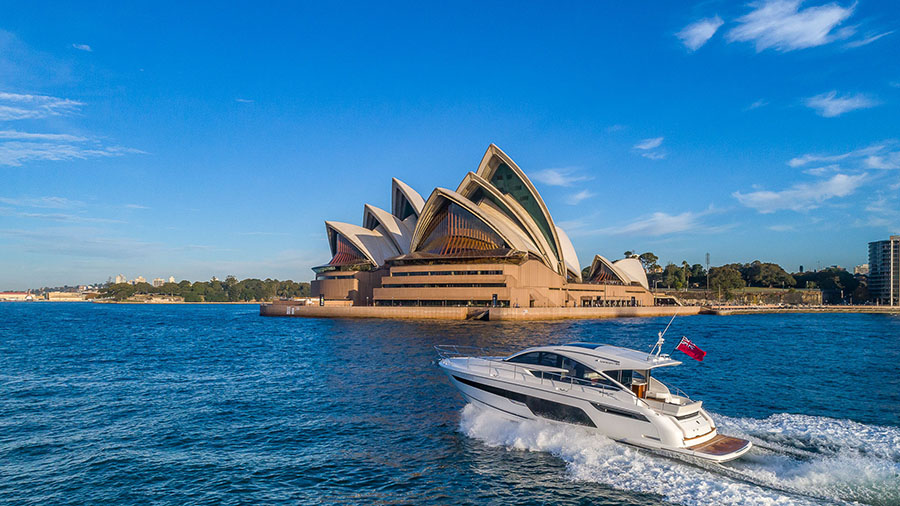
872	476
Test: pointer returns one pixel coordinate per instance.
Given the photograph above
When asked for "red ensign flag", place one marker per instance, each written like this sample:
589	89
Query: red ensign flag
690	349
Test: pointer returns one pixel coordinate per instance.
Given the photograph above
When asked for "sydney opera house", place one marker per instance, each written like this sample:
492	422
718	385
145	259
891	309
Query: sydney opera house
491	242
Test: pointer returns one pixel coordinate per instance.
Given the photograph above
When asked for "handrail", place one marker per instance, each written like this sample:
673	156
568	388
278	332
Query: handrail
458	350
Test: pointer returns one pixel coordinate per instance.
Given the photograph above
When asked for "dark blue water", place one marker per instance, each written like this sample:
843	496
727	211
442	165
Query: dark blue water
131	404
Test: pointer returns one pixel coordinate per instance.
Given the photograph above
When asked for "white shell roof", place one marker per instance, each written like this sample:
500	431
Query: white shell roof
570	258
618	272
397	230
633	268
371	243
416	200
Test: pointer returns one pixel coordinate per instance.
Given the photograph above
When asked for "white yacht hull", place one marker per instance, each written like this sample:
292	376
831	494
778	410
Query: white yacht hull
617	415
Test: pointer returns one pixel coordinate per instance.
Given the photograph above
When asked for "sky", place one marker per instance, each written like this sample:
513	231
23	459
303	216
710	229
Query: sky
165	139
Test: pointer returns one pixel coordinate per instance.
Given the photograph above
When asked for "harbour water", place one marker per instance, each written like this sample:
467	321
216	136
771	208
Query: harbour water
207	404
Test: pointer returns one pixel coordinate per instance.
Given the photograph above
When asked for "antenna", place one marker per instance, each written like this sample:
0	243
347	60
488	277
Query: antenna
659	342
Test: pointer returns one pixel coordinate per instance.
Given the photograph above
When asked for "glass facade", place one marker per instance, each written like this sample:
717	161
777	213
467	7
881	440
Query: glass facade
506	180
454	230
346	253
605	276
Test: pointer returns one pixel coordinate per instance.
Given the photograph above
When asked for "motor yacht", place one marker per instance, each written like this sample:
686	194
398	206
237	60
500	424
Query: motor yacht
606	388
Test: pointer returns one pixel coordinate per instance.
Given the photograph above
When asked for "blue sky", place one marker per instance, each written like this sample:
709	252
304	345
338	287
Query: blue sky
209	140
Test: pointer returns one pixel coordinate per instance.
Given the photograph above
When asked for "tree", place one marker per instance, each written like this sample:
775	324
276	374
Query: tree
698	274
725	278
648	260
673	276
629	254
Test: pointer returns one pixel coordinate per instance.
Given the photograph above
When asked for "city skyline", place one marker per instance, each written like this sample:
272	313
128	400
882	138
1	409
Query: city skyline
763	131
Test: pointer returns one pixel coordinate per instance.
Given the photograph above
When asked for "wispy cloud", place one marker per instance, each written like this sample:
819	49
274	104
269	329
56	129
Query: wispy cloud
576	198
803	196
888	160
866	41
651	143
559	177
57	216
696	34
782	25
646	146
781	228
135	206
83	47
862	153
244	100
15	153
654	155
830	105
16	106
660	223
756	105
42	202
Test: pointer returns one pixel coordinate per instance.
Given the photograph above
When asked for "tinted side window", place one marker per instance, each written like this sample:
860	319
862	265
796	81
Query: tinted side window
533	358
550	359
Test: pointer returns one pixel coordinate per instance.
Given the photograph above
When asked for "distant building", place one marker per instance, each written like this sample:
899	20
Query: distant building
884	271
65	296
861	269
171	279
139	279
158	282
121	279
16	296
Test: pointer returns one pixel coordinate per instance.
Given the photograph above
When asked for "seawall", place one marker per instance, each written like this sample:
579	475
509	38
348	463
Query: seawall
463	313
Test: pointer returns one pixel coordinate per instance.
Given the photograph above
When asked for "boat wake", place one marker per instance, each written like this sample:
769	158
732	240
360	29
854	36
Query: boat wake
797	459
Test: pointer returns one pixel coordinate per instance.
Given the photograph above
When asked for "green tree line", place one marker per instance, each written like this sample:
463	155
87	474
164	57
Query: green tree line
229	290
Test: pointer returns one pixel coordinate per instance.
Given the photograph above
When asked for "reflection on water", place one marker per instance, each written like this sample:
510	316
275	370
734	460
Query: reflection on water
125	404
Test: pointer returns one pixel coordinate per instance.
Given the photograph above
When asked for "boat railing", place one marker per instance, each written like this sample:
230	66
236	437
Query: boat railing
496	366
458	351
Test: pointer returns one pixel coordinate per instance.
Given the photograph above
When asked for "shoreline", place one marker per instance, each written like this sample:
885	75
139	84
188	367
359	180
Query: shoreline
286	309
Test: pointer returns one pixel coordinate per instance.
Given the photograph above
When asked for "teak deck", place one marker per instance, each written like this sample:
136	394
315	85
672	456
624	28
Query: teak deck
720	445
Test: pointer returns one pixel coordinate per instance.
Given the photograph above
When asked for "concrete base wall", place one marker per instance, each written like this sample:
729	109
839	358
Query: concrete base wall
461	313
582	313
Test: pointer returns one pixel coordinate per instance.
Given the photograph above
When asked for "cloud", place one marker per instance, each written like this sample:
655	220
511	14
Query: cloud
27	136
15	106
887	161
783	26
756	105
830	105
781	228
651	143
558	177
660	223
135	206
17	147
801	197
654	155
83	47
42	202
244	100
866	41
615	128
862	153
576	198
58	216
695	35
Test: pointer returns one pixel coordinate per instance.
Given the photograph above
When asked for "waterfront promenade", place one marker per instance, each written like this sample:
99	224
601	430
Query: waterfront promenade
286	308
